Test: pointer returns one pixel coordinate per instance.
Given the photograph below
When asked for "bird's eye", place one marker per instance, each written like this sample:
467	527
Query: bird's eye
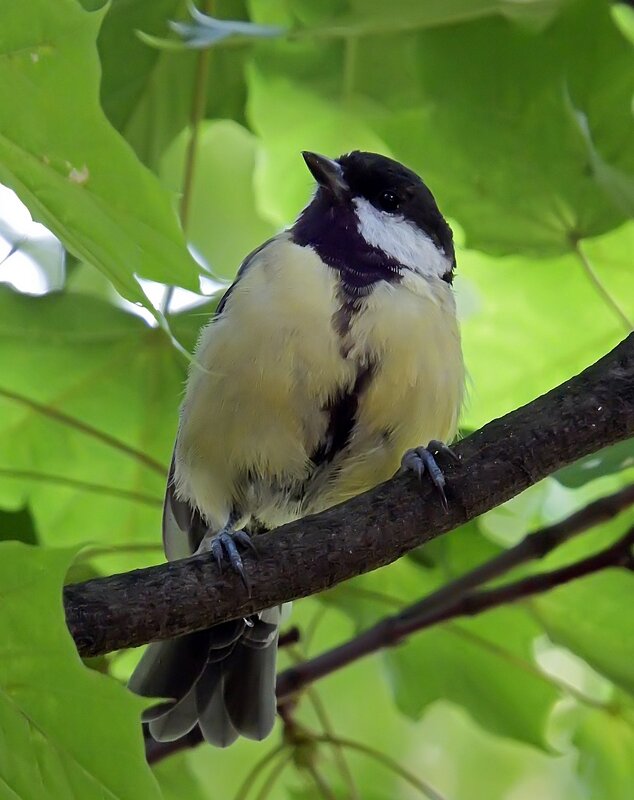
389	201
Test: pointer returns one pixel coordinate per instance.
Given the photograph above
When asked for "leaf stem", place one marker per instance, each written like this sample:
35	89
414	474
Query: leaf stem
311	630
199	101
598	284
350	50
389	763
75	483
256	769
319	781
84	427
274	775
337	749
324	721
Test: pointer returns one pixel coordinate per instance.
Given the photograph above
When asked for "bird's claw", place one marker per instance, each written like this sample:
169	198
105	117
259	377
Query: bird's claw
224	545
421	460
438	447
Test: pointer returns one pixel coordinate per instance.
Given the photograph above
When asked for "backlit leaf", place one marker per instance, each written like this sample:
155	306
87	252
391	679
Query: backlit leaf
75	173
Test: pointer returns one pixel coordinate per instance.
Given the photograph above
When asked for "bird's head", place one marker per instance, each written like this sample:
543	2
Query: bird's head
372	215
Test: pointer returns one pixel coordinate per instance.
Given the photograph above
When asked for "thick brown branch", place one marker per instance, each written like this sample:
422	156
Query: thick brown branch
588	412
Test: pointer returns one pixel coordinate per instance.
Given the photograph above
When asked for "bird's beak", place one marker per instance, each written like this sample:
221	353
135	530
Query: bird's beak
327	173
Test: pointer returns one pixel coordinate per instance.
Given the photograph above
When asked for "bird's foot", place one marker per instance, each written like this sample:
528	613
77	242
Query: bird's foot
420	460
224	545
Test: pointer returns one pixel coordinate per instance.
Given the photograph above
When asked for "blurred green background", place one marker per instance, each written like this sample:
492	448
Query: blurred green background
518	114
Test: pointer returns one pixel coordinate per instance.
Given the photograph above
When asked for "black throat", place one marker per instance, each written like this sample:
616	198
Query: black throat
332	231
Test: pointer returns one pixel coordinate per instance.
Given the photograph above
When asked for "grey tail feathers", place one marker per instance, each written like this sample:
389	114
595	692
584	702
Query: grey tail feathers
222	679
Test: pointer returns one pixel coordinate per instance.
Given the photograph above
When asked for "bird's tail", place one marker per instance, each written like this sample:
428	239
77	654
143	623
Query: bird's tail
222	679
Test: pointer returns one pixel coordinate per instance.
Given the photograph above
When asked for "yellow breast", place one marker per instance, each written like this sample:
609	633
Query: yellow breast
270	364
410	332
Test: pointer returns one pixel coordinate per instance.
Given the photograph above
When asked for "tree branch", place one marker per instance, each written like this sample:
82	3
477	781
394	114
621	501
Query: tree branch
618	554
535	545
584	414
459	602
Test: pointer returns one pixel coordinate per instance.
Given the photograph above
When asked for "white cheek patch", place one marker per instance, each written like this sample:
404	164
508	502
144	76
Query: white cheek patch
400	239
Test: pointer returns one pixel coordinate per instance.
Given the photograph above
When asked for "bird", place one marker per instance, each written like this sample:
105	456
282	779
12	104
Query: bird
332	362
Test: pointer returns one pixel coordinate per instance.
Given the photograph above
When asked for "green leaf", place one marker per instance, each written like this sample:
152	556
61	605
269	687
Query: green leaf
127	63
67	730
289	119
478	107
466	763
147	94
606	756
357	17
616	184
605	462
522	326
463	549
509	523
623	16
484	665
80	178
117	379
97	474
591	617
222	192
178	781
18	525
473	134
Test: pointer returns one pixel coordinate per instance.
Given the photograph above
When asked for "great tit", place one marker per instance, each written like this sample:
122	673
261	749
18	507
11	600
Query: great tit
329	361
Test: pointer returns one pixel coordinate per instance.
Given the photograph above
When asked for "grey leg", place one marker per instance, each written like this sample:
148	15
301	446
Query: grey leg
224	545
420	460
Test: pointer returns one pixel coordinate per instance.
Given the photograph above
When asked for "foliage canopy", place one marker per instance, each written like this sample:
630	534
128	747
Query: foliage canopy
518	115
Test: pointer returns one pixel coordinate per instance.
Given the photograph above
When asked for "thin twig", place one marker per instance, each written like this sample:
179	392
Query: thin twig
289	637
324	721
391	630
256	769
453	599
320	782
274	775
350	54
491	647
337	750
535	545
423	787
311	628
616	555
157	751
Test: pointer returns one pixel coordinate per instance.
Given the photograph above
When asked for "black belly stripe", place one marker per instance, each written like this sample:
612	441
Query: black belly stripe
342	414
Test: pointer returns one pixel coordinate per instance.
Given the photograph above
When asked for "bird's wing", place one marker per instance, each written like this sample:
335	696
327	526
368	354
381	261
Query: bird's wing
183	526
248	261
